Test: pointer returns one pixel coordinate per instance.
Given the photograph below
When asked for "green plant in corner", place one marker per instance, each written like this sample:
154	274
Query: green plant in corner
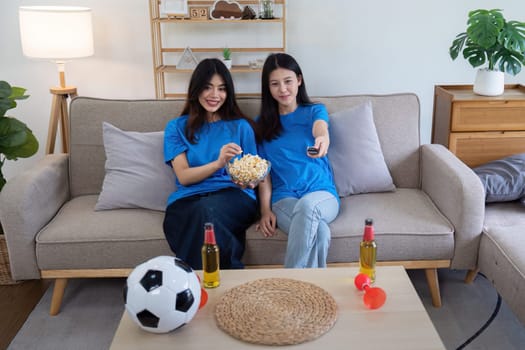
16	139
490	38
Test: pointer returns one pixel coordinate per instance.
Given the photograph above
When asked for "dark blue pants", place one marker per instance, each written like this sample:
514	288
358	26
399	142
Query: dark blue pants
231	211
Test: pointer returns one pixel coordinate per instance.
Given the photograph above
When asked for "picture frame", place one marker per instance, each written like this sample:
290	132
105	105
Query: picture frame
174	8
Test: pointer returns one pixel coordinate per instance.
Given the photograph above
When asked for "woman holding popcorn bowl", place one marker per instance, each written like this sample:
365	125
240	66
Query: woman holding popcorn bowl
198	145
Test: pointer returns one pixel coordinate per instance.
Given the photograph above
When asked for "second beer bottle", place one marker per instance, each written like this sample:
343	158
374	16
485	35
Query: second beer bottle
368	251
210	258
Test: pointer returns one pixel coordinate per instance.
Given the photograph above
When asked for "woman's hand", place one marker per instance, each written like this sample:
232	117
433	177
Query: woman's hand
321	144
322	138
267	224
228	151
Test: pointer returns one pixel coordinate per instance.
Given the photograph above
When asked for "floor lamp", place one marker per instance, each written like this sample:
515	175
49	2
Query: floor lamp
57	33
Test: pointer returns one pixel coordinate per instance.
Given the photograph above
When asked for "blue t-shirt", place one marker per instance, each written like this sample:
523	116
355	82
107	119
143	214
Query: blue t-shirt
209	140
293	172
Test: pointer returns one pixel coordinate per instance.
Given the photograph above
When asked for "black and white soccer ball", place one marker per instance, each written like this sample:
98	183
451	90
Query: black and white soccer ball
162	294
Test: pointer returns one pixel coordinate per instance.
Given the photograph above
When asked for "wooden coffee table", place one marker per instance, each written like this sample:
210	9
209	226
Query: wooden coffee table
402	322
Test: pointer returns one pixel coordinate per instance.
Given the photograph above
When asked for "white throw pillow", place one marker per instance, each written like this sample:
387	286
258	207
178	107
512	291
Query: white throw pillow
355	153
136	175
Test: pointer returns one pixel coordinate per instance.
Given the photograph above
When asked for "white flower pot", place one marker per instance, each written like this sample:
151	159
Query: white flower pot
227	63
489	82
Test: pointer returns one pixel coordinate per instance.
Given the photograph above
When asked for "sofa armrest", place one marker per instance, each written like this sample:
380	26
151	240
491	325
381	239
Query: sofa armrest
28	202
458	193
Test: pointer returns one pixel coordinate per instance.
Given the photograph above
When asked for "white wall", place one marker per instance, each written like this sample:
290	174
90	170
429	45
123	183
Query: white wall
343	46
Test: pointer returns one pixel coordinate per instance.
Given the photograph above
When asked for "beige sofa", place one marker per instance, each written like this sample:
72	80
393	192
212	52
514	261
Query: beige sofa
432	220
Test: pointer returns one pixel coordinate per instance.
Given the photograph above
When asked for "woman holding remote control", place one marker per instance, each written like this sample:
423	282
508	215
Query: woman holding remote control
299	196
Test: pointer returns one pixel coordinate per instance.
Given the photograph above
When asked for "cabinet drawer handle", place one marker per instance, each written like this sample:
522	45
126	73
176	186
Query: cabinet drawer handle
504	102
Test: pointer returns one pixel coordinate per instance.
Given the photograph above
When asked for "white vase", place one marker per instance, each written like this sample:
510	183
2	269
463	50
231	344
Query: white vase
489	82
227	63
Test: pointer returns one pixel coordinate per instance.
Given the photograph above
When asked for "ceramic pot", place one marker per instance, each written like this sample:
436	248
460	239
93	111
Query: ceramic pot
489	82
227	63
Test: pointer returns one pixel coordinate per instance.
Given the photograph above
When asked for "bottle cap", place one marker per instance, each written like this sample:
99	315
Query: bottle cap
369	230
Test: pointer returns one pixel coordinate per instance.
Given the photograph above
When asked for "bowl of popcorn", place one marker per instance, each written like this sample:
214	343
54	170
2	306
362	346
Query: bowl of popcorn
248	169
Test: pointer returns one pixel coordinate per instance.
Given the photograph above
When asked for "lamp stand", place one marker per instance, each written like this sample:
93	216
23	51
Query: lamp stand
59	113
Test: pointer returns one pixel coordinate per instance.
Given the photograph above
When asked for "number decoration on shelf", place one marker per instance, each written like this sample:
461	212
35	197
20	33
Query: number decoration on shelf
174	8
198	12
187	60
223	9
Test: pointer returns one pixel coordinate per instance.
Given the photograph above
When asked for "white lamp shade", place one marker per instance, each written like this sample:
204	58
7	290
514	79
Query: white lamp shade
56	32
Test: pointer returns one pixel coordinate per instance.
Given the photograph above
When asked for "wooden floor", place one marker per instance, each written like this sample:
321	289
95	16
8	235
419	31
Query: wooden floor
16	302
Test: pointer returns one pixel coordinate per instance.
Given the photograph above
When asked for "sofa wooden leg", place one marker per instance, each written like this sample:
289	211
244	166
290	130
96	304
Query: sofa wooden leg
471	274
433	285
58	293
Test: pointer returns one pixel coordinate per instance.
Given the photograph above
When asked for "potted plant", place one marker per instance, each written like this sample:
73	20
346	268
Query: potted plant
493	40
16	139
266	9
226	57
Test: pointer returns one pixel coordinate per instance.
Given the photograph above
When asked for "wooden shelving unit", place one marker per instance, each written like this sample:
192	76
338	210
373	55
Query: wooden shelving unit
162	49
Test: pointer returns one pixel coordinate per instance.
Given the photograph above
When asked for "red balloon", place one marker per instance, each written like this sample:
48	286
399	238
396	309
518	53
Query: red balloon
374	297
361	280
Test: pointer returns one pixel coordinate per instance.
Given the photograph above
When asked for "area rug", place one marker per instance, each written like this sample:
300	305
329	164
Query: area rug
92	309
90	313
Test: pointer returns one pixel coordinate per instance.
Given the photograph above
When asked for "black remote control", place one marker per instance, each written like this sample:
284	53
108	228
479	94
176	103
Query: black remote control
312	151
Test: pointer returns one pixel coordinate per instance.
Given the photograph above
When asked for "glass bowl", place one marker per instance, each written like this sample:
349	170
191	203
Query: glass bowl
248	170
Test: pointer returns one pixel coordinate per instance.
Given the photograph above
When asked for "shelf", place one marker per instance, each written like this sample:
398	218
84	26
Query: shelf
266	39
218	49
234	69
215	21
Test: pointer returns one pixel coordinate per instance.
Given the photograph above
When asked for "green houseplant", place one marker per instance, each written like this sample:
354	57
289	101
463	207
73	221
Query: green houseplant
491	39
227	57
16	139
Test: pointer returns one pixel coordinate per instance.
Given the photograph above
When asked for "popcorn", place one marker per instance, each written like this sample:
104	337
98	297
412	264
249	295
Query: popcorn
248	169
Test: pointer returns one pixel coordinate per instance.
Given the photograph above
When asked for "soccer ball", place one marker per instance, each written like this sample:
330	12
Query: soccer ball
162	294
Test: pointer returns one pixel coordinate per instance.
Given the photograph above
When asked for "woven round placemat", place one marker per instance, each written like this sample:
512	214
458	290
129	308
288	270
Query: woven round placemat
276	311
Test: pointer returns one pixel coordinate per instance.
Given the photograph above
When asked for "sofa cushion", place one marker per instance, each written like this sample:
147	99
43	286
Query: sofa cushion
80	238
355	153
408	226
503	179
504	214
136	175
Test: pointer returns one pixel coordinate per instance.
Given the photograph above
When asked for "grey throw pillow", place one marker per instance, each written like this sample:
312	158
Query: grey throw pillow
355	153
503	179
136	175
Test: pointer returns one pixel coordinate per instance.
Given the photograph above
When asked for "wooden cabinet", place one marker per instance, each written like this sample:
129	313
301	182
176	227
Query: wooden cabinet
198	32
479	129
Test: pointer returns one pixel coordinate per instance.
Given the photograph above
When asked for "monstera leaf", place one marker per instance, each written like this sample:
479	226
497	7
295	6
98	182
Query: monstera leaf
513	37
484	27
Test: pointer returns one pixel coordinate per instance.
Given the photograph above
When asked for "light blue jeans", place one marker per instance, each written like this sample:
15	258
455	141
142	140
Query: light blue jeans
305	221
